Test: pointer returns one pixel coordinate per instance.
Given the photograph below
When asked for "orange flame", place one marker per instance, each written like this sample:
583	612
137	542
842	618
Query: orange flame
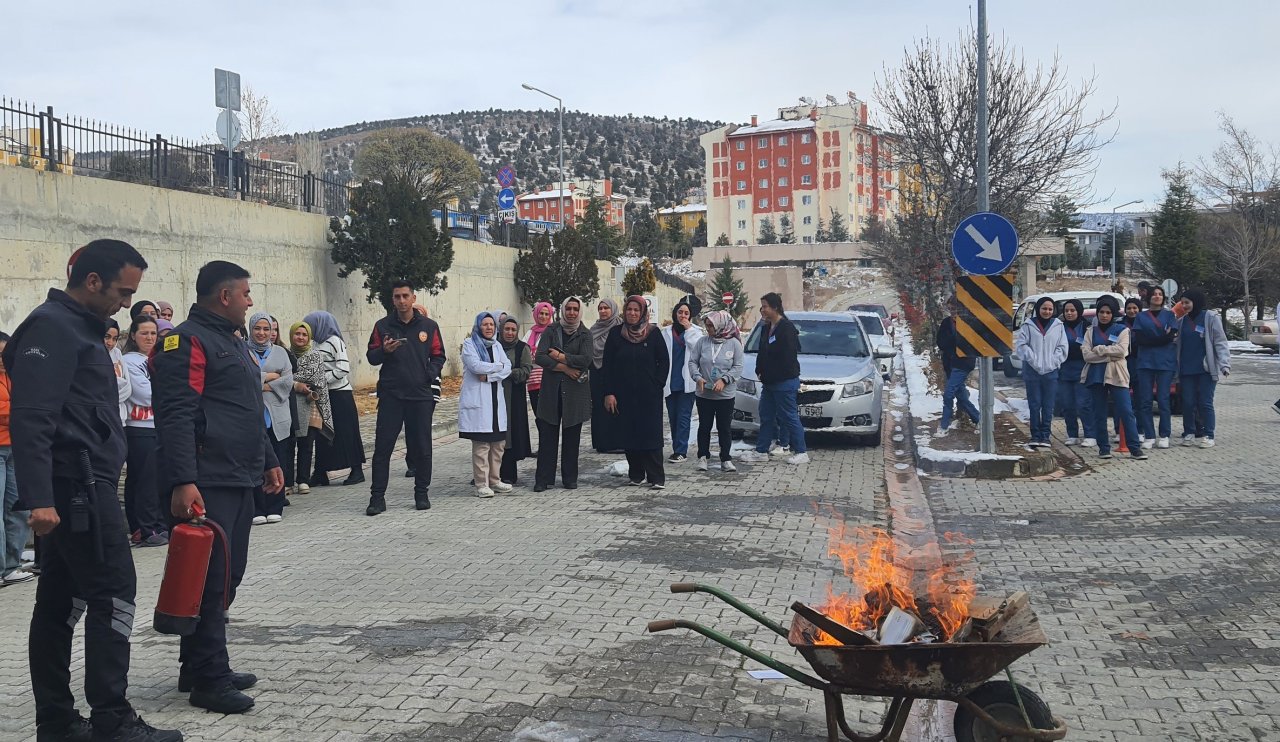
880	582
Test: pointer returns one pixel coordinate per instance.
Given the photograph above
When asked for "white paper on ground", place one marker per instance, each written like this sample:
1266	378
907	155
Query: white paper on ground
766	675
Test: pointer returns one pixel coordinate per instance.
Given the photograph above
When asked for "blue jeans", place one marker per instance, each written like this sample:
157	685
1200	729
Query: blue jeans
13	537
1042	390
958	391
679	412
1122	399
1077	406
1197	405
778	412
1149	379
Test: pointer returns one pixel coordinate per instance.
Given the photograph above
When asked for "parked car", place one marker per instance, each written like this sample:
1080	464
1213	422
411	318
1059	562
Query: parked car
878	333
880	309
1013	364
1264	332
840	383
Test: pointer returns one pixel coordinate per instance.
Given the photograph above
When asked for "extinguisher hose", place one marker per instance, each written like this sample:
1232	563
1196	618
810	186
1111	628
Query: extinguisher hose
226	562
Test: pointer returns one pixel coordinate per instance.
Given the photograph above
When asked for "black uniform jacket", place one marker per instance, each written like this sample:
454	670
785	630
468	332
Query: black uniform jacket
206	391
779	356
64	399
409	372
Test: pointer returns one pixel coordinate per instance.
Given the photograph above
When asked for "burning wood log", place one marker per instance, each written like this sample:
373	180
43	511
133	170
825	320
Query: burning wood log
988	616
835	629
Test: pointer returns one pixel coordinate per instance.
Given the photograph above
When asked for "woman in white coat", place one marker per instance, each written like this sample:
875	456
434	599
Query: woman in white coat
1041	344
482	407
681	337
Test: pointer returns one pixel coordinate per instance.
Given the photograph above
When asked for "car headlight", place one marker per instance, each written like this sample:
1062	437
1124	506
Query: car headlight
865	385
747	386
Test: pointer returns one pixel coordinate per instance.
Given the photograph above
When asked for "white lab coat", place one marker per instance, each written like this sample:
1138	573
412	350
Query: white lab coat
475	404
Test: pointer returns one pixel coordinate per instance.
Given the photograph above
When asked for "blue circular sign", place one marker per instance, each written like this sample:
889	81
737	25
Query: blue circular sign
984	244
506	199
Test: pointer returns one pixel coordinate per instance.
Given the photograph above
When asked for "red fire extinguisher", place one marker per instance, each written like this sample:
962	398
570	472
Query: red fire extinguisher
185	569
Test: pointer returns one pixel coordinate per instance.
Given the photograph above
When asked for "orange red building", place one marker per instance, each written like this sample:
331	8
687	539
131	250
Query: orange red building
545	204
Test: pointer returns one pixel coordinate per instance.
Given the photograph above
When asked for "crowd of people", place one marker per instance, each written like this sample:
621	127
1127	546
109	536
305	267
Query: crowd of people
1114	372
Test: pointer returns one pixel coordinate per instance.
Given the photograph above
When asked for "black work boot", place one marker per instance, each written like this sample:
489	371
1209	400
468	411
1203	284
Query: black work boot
410	473
76	730
377	504
221	700
421	502
137	730
239	681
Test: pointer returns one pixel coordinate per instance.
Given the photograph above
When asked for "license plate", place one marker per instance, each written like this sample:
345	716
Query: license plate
810	410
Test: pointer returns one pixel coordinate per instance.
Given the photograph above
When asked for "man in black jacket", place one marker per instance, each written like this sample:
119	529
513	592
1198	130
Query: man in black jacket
778	369
207	397
68	445
955	371
410	350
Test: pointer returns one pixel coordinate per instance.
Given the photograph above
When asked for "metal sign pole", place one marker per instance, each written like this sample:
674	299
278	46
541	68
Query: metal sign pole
986	376
231	168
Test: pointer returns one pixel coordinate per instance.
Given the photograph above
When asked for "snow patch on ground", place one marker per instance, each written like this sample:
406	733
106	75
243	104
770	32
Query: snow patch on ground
1244	346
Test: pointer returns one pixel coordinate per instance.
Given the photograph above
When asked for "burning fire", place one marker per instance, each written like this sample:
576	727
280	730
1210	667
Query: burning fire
940	596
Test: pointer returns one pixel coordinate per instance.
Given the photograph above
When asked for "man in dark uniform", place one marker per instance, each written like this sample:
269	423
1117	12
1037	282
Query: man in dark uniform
207	397
410	350
68	446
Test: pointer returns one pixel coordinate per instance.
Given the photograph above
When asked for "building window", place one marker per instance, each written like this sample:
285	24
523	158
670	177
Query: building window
742	185
784	200
742	224
740	145
806	138
763	203
764	182
807	220
807	240
782	162
806	180
762	142
762	163
782	140
740	165
806	160
806	200
783	181
742	203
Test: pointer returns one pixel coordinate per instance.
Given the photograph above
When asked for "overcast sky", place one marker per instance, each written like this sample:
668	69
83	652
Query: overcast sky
1167	65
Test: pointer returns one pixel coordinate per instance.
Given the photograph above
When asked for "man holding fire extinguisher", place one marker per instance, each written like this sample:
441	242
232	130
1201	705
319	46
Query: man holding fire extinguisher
68	446
207	392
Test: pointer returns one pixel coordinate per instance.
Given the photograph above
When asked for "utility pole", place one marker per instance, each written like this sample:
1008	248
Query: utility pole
986	374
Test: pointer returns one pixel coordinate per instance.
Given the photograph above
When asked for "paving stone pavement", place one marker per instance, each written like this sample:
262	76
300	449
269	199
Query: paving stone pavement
515	618
1157	581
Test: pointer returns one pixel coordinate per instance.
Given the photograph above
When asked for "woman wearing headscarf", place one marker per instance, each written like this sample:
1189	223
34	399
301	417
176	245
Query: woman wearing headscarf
110	341
144	307
681	338
309	393
518	353
715	365
163	327
166	310
637	368
543	313
346	449
564	402
1153	333
1203	358
277	384
1105	350
604	426
1073	395
482	408
1041	344
144	506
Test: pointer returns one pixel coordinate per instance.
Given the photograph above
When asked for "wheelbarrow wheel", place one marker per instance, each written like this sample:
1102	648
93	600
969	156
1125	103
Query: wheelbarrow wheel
997	699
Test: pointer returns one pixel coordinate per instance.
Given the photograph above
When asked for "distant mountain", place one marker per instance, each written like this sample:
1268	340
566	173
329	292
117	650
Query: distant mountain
657	159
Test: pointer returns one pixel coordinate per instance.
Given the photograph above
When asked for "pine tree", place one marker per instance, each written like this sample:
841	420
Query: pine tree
788	236
838	231
555	271
722	240
822	235
604	238
1174	250
725	282
700	234
768	236
677	243
1062	217
640	280
645	234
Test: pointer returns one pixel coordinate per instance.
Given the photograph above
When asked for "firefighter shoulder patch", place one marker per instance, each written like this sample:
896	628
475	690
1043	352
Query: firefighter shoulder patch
171	341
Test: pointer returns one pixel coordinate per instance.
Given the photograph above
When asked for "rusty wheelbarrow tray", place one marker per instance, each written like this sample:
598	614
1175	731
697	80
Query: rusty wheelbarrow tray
904	672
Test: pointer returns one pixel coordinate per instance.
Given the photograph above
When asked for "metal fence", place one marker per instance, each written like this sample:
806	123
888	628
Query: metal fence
38	139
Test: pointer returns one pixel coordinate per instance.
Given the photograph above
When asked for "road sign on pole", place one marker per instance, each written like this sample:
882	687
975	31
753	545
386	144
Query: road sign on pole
507	215
726	298
984	244
228	128
506	199
226	89
984	325
506	176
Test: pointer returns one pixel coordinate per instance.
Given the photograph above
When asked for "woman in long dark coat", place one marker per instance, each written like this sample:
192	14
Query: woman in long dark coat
518	444
605	436
564	402
636	365
346	450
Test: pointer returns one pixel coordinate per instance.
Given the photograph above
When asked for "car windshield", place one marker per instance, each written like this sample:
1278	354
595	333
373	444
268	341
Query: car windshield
872	325
877	308
821	338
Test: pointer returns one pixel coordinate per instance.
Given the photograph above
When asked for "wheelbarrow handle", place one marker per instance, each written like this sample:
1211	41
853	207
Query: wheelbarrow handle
764	659
753	614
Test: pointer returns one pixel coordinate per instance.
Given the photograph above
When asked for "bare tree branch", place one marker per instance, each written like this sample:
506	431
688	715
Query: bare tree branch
258	121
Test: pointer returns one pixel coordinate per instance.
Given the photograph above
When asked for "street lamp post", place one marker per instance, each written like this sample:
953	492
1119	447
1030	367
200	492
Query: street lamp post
1113	237
560	104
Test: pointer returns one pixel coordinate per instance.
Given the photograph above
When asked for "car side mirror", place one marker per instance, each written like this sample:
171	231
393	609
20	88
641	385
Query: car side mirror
885	351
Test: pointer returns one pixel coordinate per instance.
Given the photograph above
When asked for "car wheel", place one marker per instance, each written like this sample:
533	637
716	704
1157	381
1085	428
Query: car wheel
1009	370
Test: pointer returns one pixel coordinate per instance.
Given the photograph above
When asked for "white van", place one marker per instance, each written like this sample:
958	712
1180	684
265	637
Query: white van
1013	364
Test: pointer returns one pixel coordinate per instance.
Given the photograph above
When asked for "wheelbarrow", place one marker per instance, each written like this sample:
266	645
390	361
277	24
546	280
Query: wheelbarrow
987	710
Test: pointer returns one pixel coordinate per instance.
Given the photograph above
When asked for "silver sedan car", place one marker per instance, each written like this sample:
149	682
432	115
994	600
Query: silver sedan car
840	381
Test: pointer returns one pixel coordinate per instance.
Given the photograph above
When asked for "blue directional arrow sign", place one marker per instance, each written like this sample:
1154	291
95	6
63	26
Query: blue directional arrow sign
984	244
506	199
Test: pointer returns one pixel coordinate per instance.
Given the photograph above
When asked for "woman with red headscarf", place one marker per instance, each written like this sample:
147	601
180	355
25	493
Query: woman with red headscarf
543	313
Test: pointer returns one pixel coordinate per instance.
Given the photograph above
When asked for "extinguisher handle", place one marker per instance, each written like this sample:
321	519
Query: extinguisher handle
197	510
